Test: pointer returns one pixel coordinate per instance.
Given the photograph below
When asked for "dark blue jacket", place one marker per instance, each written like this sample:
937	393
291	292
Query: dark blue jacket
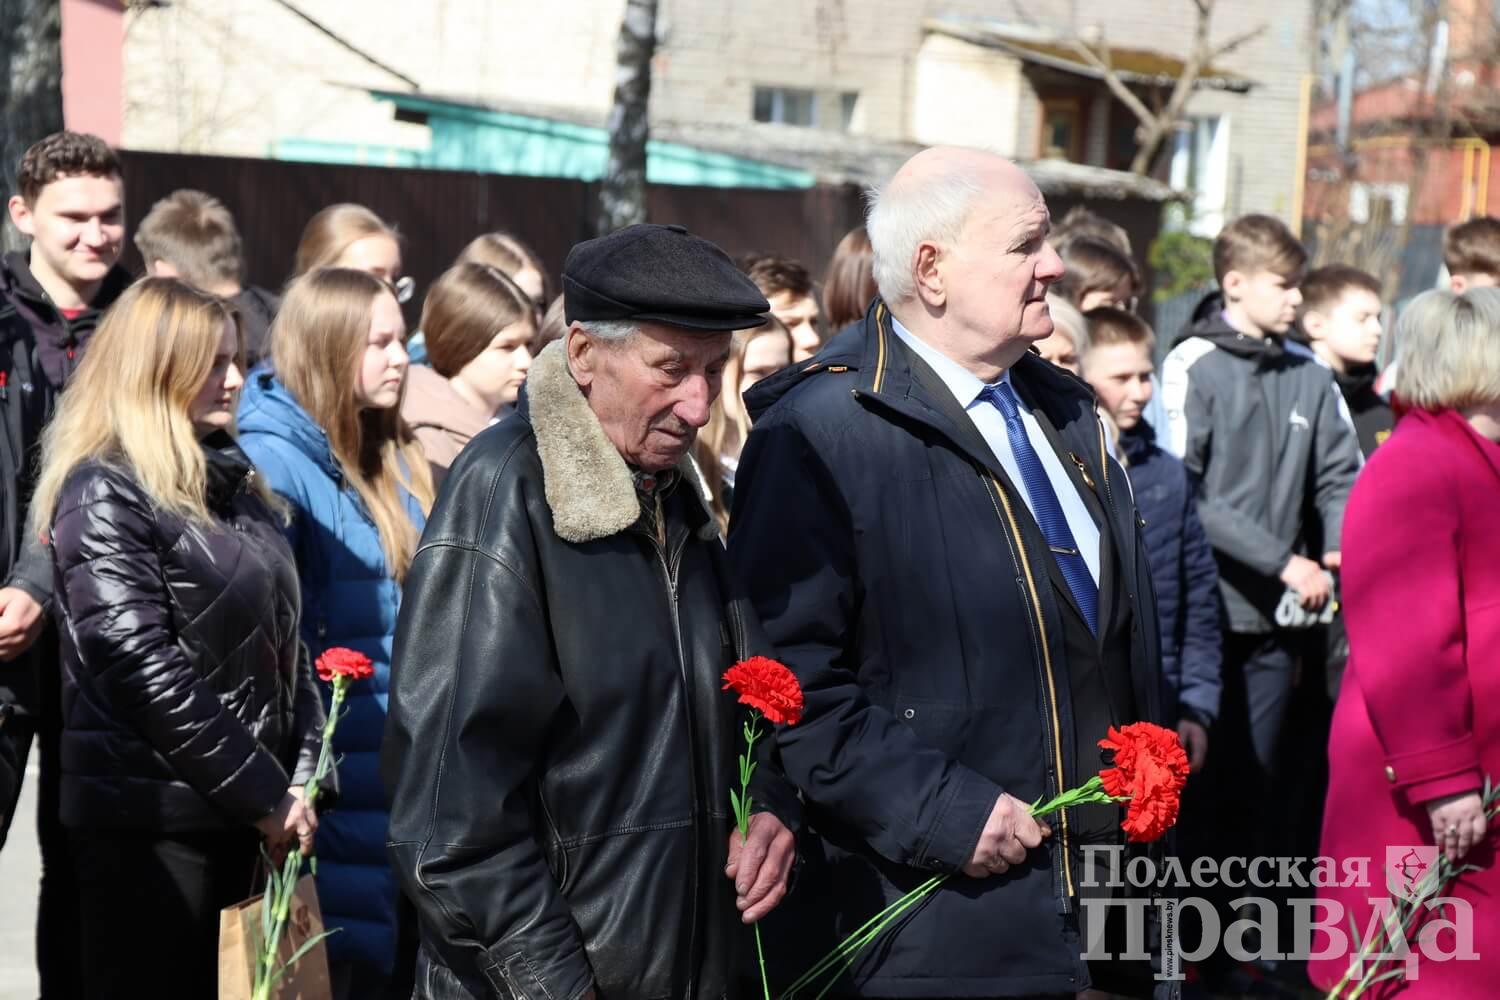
902	579
1184	574
348	599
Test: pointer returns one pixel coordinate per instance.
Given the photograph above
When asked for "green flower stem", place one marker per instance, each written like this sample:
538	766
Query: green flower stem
281	888
279	893
741	804
843	955
866	933
325	751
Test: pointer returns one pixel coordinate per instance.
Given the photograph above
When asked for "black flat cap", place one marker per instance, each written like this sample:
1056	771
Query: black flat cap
659	274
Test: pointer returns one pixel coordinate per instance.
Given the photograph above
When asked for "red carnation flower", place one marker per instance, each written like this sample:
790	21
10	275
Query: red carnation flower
1150	769
768	687
340	661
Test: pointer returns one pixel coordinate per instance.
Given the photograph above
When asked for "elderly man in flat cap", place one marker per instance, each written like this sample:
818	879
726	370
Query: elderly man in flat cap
559	751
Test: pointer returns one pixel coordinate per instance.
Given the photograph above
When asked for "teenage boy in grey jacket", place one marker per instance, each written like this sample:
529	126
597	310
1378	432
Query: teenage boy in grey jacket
1260	430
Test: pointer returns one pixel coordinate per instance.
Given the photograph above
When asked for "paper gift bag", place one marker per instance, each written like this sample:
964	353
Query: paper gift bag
239	932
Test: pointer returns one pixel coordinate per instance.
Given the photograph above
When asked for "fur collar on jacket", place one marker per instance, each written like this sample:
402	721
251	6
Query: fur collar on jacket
588	485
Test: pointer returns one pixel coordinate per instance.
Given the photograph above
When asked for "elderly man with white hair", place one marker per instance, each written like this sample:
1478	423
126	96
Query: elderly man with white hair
936	539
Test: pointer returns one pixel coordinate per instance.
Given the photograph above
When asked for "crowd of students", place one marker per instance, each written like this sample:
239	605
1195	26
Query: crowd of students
206	484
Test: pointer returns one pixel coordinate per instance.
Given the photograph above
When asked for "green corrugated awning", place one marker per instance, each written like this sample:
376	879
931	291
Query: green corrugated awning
486	140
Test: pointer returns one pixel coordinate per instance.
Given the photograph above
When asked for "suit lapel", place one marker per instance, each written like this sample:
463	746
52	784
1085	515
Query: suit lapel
934	393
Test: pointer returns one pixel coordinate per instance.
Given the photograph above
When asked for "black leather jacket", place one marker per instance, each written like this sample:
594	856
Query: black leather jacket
188	701
559	751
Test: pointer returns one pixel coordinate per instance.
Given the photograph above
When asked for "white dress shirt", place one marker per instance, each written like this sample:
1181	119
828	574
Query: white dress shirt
966	387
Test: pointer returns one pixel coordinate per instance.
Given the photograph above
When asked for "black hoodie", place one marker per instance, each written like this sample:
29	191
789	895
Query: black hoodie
39	349
60	341
1372	415
1262	432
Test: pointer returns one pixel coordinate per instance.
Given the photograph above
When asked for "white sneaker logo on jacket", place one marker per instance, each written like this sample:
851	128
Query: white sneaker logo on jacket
1298	420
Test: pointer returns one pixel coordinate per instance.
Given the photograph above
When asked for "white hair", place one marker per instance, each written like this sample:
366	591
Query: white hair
613	331
900	218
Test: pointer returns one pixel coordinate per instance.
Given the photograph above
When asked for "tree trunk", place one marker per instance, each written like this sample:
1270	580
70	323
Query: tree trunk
30	89
622	197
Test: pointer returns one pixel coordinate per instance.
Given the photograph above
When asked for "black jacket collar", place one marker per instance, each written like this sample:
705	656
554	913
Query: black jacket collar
22	284
227	469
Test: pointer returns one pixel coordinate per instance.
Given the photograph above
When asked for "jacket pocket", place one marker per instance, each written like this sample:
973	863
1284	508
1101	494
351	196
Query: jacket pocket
557	853
941	726
435	981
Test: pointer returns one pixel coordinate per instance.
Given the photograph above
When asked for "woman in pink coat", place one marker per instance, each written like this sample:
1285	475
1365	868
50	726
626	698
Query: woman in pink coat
1417	727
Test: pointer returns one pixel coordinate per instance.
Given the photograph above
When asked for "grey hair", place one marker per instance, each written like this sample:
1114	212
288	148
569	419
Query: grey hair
1447	351
613	331
899	219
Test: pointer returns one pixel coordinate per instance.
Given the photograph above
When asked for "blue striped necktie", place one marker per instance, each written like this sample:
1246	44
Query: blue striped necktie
1044	504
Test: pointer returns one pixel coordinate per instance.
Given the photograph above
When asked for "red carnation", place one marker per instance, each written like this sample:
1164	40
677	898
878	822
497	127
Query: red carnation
341	661
768	687
1150	769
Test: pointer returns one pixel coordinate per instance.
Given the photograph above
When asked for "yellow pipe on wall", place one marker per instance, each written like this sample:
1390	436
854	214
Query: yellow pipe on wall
1476	196
1299	179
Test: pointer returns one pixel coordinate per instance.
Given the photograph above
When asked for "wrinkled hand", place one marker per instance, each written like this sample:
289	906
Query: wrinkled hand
307	825
759	866
1195	741
21	621
1306	578
1458	823
285	825
1008	834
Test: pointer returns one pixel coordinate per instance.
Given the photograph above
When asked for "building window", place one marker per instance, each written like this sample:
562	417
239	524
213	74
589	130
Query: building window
786	106
1380	203
1200	167
848	107
1062	129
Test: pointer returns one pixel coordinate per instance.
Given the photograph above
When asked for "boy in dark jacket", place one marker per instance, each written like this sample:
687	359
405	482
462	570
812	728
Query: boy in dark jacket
1340	320
71	203
1118	365
1260	428
192	236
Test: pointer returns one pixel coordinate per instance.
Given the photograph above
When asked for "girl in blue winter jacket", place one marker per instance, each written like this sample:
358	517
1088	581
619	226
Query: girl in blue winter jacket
323	425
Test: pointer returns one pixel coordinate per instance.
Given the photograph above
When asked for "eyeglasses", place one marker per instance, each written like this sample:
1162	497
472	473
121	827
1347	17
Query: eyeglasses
404	286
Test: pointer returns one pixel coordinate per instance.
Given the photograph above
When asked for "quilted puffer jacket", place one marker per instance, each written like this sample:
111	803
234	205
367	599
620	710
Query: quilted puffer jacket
349	599
188	698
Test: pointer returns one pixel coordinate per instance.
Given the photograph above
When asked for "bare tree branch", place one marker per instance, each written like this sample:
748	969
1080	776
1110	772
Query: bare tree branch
1157	123
1125	95
1242	39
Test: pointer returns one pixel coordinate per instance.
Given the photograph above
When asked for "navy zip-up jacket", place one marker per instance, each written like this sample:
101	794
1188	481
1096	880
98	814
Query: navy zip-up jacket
900	575
1184	574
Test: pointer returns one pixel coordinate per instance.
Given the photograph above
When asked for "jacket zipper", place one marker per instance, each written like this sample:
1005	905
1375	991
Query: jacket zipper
1053	734
1265	402
670	567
